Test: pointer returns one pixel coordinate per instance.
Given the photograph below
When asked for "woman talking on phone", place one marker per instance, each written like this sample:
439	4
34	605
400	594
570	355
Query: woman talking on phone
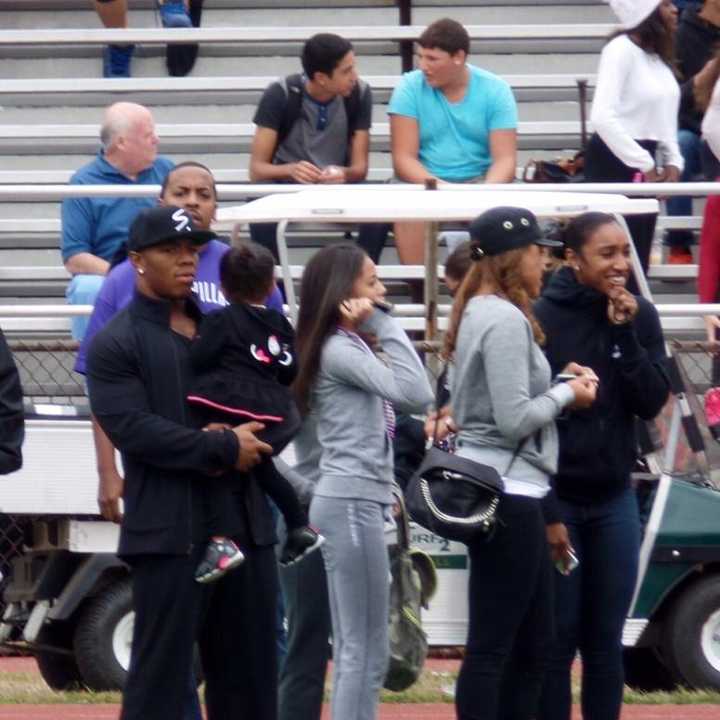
350	393
504	405
588	315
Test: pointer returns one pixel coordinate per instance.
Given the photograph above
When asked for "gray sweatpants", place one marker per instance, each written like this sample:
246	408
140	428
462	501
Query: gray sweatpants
356	562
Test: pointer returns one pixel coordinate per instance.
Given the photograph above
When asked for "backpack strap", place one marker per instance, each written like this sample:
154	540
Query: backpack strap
352	107
293	86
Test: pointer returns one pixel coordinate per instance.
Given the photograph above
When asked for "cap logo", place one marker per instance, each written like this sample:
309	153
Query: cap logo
181	219
508	225
524	222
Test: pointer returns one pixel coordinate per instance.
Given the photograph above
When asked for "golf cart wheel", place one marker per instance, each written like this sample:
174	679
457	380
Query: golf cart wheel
692	635
103	637
645	670
58	669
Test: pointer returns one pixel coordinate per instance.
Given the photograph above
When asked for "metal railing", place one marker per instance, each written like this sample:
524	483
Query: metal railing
280	34
241	191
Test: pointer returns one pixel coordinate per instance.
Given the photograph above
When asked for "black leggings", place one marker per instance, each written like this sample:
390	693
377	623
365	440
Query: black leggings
511	617
603	166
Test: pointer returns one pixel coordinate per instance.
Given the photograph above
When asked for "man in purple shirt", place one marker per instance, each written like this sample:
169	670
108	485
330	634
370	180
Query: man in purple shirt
117	292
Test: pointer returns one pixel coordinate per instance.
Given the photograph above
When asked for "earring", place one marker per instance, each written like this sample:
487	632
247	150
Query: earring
141	271
576	267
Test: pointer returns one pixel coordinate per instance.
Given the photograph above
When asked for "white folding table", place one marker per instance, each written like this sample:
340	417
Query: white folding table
396	203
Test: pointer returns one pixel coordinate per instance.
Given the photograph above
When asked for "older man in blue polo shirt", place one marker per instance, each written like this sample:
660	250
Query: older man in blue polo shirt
94	228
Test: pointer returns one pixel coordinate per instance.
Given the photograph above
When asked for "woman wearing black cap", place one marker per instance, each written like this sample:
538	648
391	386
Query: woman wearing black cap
504	406
589	315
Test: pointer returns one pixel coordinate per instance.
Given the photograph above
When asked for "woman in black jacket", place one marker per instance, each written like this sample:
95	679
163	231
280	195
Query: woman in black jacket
589	316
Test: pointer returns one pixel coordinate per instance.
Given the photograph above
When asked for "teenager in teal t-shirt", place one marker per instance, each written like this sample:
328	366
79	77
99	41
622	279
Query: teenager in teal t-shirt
455	137
451	121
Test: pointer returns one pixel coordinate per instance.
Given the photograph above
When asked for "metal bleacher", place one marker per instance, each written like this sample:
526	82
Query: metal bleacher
52	95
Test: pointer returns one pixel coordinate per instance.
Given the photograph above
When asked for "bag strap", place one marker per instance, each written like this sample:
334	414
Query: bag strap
514	456
438	386
293	85
352	106
403	524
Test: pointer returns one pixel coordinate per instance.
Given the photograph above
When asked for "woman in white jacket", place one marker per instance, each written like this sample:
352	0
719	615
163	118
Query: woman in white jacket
635	107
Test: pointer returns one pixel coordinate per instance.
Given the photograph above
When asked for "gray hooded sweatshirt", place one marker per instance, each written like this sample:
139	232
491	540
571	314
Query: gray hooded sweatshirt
347	405
502	397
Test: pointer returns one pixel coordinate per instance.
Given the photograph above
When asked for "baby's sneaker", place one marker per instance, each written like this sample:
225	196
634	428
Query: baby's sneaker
221	555
300	542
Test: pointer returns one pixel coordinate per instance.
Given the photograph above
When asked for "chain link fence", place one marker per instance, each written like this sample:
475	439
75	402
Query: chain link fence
47	376
46	372
13	535
699	367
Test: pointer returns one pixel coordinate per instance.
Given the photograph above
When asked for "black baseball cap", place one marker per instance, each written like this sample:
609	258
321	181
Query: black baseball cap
164	223
505	228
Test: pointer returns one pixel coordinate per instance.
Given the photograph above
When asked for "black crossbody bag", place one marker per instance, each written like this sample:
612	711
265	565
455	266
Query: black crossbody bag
454	497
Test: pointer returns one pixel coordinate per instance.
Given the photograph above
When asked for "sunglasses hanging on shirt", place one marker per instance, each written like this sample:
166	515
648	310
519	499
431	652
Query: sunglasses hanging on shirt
322	118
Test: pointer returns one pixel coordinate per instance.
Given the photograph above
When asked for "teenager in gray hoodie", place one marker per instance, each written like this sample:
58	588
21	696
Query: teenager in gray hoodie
504	406
351	394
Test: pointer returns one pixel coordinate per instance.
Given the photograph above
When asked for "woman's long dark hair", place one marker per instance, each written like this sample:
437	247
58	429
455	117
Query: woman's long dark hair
327	280
653	36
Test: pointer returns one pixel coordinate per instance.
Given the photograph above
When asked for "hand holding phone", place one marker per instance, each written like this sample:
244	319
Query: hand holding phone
568	562
574	370
383	305
356	310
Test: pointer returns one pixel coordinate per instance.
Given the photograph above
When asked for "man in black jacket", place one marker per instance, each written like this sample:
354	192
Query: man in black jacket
12	424
138	374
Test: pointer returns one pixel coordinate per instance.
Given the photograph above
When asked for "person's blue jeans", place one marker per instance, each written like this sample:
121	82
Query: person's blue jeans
682	4
590	608
82	290
690	146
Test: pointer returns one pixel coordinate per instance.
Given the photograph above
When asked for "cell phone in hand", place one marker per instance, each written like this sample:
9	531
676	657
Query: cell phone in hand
565	377
383	305
567	564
